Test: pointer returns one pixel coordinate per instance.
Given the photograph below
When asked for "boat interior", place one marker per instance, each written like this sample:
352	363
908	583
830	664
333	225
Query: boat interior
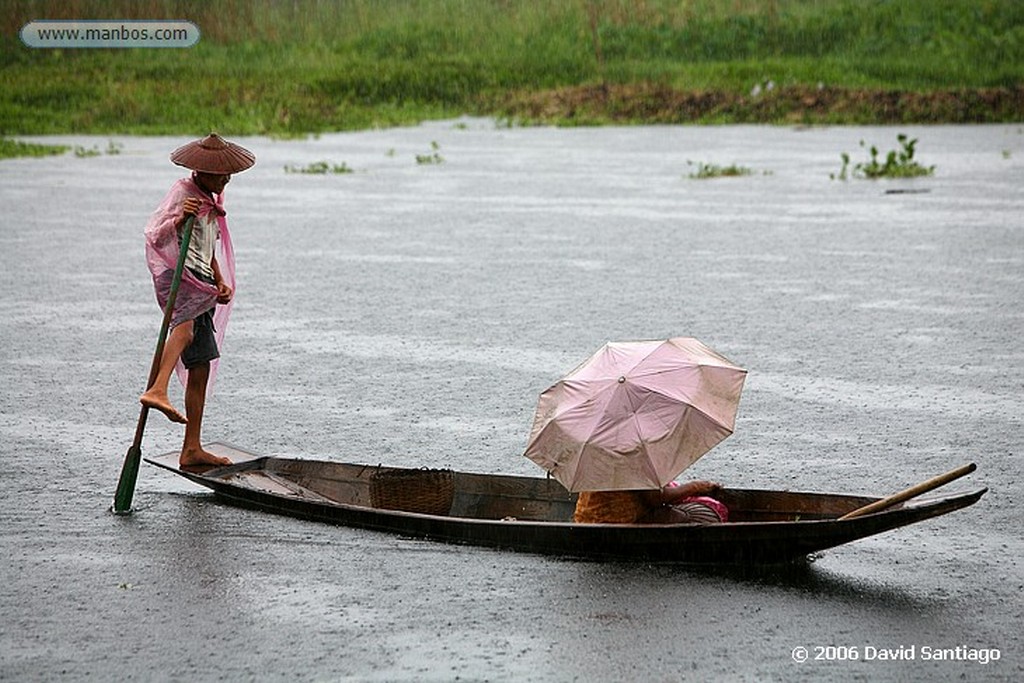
486	496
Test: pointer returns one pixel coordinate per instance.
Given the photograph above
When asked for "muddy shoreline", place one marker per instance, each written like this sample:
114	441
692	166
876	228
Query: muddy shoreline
657	104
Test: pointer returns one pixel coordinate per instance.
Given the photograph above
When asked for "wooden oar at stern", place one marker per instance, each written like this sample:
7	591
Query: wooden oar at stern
913	491
130	469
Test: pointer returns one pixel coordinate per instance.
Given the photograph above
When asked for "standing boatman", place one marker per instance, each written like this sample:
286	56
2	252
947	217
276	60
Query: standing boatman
206	293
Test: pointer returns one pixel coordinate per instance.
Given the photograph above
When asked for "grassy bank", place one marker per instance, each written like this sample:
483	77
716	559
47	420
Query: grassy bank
286	68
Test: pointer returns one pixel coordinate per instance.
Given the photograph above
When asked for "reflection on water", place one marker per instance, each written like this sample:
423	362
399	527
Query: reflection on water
801	580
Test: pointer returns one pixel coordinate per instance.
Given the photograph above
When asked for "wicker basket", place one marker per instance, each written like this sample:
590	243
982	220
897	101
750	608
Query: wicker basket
426	491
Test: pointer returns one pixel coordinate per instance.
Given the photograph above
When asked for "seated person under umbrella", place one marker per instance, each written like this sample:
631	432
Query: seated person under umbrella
689	503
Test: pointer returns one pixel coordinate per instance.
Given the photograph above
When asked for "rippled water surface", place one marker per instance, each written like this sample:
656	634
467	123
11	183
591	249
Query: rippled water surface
411	314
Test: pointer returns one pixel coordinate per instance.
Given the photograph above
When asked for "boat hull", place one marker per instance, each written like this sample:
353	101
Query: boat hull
533	515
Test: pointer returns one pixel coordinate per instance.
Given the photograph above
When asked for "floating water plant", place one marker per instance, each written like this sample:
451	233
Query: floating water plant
715	171
9	149
113	148
319	168
899	163
434	158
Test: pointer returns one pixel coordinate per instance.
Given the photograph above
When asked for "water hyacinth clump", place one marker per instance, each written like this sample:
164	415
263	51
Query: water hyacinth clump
319	168
433	158
705	171
899	163
10	149
113	148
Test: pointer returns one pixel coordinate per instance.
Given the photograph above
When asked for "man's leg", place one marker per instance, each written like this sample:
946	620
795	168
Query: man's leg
192	452
156	395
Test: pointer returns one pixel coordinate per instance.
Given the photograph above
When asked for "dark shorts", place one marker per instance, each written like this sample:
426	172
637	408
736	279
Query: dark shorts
203	348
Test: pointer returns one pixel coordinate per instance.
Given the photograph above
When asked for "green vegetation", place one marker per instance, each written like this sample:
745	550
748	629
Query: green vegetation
10	149
705	171
898	163
304	66
94	151
433	158
14	148
319	168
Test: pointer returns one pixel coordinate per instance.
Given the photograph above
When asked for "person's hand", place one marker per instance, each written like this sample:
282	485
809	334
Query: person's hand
698	487
224	293
708	488
190	207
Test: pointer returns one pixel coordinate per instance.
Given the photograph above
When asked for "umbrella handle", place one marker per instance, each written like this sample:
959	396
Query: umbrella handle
912	492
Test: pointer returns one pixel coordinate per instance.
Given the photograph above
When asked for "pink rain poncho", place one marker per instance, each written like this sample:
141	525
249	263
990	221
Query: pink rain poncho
163	244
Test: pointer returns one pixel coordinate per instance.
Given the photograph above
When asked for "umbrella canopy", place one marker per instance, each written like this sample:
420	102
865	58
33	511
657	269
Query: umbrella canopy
635	415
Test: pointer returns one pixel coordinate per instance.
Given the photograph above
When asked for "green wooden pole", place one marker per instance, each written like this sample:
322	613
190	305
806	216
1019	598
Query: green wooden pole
132	459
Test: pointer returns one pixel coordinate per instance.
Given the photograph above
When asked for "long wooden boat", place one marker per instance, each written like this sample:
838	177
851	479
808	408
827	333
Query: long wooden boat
533	514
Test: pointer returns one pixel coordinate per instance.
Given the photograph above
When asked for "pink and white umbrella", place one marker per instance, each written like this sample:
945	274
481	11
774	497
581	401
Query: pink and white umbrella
635	415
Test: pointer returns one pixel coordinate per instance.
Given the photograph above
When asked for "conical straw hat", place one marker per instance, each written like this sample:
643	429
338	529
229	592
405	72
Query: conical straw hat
213	154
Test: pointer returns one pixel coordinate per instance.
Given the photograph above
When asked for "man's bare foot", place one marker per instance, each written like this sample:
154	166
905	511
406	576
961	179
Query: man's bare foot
193	457
163	404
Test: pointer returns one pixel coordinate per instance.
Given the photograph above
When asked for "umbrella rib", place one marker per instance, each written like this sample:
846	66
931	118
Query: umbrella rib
684	402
